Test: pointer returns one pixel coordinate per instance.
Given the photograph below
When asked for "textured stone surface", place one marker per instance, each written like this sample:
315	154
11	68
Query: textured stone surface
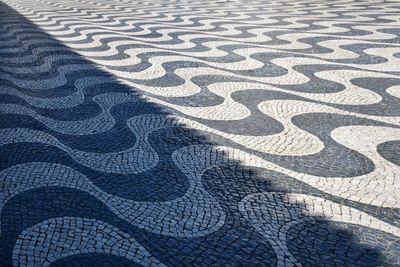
199	133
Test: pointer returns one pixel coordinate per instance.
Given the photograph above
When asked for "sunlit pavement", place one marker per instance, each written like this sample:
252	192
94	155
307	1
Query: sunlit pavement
199	133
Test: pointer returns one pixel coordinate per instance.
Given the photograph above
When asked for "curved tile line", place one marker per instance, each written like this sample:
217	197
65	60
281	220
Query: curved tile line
156	70
355	95
391	64
186	20
185	89
378	188
34	53
230	28
139	158
48	83
232	110
173	217
352	95
377	32
334	45
382	185
394	91
46	66
294	43
160	11
288	37
114	18
373	34
292	141
72	26
206	23
113	51
62	102
66	236
260	34
212	44
133	59
372	97
274	213
83	13
100	123
22	38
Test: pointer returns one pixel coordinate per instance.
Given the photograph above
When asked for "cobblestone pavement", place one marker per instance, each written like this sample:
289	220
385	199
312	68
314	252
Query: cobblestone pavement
199	133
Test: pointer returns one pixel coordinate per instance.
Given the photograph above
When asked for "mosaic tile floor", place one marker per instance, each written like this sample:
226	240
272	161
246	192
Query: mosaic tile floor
199	133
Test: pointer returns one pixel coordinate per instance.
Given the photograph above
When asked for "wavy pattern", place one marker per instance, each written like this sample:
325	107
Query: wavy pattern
263	209
159	217
199	133
59	230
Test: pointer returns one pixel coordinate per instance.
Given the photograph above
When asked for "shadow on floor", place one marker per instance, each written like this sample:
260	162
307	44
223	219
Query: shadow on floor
74	147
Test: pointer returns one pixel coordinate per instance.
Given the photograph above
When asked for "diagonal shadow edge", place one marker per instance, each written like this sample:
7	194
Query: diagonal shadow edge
55	164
